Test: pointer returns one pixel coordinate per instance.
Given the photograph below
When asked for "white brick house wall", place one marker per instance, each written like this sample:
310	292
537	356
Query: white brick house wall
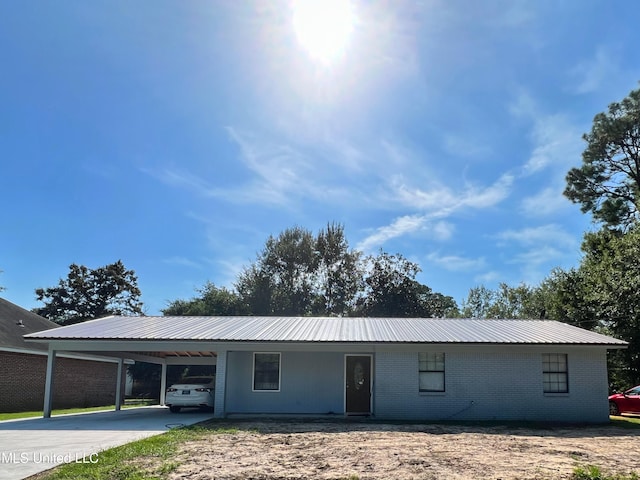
492	382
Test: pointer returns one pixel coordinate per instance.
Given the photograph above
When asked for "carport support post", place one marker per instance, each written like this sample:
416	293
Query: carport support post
163	383
48	383
221	382
119	385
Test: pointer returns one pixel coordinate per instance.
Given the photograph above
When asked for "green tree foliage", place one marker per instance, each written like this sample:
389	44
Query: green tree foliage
565	297
612	275
91	293
505	302
392	291
441	306
608	182
210	301
478	302
280	282
338	273
297	273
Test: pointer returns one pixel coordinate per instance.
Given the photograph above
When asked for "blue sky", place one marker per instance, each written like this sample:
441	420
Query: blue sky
177	136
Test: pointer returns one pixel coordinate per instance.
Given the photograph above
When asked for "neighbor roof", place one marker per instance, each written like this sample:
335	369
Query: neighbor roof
329	329
15	322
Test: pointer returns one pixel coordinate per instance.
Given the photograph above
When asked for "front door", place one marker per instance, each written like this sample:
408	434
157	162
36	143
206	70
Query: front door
358	384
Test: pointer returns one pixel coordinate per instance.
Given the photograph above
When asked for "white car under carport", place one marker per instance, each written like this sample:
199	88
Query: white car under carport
196	392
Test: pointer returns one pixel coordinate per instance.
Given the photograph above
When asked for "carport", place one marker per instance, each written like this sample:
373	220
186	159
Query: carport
143	343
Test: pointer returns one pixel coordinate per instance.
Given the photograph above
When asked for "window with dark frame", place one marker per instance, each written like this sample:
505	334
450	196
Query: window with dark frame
266	371
431	372
555	376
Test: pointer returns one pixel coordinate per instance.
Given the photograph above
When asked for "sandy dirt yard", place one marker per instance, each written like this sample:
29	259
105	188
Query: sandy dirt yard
364	450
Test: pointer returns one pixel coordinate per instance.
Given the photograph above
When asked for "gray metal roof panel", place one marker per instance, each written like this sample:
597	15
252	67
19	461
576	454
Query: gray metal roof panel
329	329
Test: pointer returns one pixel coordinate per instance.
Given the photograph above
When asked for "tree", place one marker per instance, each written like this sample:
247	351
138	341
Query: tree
441	306
210	301
338	273
280	282
478	302
565	298
611	271
1	287
392	290
504	302
297	273
608	182
91	293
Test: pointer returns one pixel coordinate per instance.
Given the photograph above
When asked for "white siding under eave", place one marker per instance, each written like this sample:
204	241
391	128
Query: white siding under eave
486	383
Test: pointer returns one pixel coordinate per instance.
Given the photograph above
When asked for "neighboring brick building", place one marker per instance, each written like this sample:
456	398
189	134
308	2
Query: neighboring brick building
79	381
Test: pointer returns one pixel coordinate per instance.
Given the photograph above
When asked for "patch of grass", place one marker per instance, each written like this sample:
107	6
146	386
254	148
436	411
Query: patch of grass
66	411
13	416
625	422
593	472
147	459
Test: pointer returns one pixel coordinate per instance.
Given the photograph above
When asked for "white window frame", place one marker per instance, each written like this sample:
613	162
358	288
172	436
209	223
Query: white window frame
442	372
552	367
253	376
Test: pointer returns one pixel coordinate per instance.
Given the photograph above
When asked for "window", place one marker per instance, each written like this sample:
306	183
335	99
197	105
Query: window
431	372
555	378
266	371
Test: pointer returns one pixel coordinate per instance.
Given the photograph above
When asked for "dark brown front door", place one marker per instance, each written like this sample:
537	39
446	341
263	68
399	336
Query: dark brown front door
358	384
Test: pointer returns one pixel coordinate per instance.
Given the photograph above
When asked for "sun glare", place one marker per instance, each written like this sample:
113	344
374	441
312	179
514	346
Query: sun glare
323	27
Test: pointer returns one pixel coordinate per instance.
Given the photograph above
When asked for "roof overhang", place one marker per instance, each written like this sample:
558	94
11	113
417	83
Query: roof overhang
198	339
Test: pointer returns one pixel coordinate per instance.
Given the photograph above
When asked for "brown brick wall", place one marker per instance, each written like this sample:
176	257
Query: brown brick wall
77	383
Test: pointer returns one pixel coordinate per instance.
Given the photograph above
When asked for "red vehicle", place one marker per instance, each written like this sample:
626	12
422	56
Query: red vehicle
626	402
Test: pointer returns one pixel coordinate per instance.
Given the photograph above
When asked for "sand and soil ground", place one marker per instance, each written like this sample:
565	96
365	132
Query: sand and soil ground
363	450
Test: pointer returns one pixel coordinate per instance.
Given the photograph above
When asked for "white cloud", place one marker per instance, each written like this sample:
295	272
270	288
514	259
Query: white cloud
488	277
278	169
591	74
550	234
556	142
400	226
524	106
442	230
277	173
540	255
548	201
456	263
440	200
179	178
537	249
490	196
406	225
182	262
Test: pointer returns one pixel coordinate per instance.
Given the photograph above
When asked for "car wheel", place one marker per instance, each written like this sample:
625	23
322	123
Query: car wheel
174	409
613	408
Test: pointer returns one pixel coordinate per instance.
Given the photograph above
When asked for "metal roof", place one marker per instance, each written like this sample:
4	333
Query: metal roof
329	329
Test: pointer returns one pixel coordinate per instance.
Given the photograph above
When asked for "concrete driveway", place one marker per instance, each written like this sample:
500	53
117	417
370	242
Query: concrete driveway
33	445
